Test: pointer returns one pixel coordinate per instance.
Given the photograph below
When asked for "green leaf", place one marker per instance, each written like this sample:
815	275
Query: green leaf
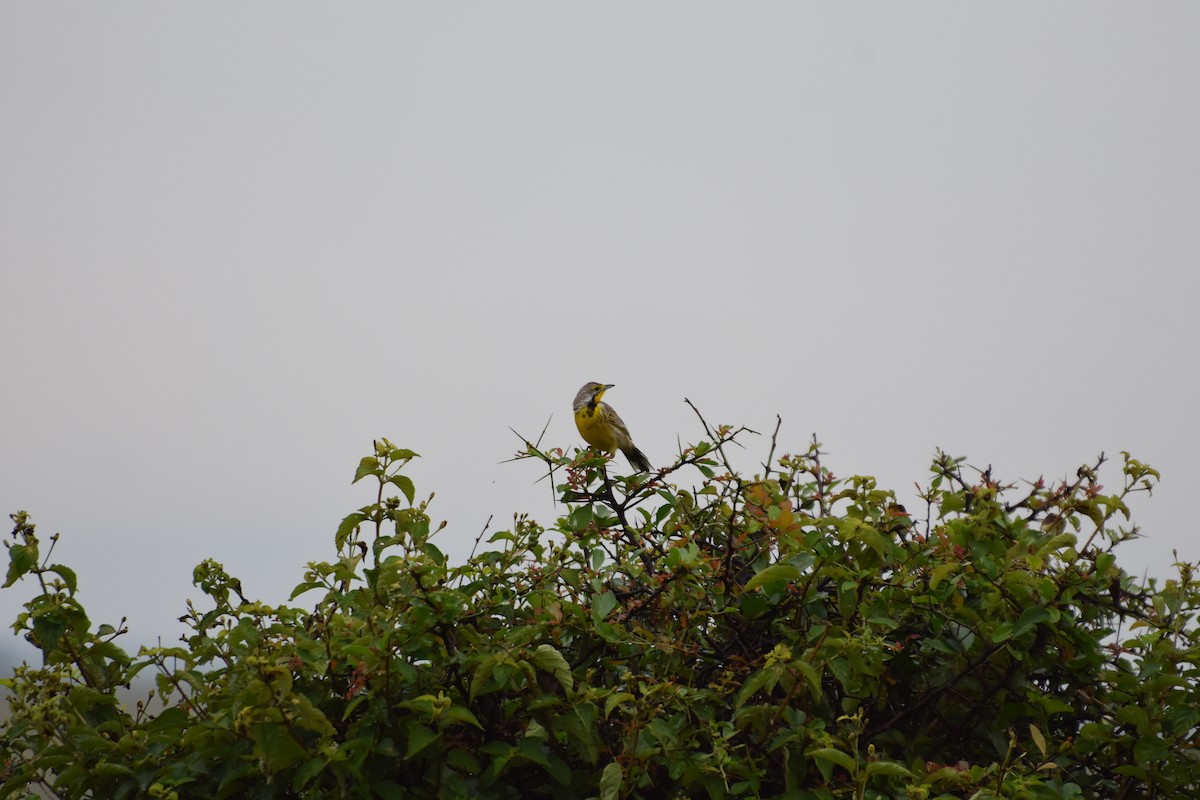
91	742
608	632
810	674
1149	749
754	605
368	466
603	605
1030	619
1057	542
109	651
1035	733
558	770
67	574
276	747
419	737
405	485
463	760
483	673
614	700
108	769
772	574
306	715
1141	773
836	756
665	730
1002	633
21	559
460	714
580	517
547	658
533	749
49	629
388	789
892	768
755	682
353	704
171	719
854	528
580	725
348	526
940	572
610	781
951	502
308	770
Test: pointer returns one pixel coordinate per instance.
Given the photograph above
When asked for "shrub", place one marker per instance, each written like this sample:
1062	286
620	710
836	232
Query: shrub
793	634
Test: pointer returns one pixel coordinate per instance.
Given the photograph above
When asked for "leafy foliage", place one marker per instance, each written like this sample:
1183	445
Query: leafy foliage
794	635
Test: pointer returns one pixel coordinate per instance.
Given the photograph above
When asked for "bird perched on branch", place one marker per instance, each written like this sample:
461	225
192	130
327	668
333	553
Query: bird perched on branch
600	426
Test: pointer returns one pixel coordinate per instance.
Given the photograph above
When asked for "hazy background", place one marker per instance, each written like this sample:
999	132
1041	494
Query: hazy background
240	241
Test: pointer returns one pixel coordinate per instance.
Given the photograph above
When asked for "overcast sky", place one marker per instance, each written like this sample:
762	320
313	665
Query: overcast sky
240	241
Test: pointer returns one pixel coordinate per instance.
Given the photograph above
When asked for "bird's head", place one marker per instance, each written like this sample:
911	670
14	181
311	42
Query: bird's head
591	393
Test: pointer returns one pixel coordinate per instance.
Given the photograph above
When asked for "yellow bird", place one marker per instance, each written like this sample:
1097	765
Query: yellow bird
600	426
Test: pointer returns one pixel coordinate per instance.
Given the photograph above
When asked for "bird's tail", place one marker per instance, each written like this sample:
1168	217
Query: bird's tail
637	458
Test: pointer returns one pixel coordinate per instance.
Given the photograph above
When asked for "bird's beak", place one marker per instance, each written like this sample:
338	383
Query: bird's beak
609	386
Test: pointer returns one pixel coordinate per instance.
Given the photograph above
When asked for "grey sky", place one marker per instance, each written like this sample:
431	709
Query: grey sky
240	242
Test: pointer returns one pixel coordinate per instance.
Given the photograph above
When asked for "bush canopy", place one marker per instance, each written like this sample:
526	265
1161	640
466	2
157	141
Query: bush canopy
693	632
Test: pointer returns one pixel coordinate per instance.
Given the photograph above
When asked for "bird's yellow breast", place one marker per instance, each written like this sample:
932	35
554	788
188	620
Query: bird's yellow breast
594	428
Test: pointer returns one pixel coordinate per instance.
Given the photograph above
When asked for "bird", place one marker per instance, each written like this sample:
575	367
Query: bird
601	427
